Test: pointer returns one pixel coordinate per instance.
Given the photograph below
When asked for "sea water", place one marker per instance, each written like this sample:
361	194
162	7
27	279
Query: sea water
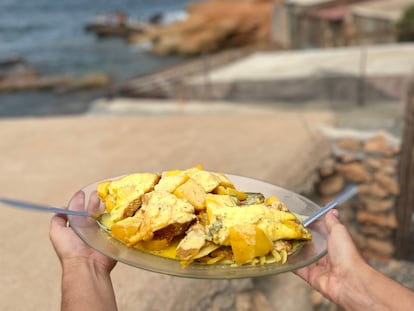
49	36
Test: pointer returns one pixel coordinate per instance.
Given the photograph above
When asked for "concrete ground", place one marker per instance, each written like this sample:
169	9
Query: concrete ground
46	160
372	115
378	60
360	74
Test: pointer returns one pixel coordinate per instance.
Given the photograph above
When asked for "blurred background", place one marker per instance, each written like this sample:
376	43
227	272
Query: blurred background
44	47
64	55
310	95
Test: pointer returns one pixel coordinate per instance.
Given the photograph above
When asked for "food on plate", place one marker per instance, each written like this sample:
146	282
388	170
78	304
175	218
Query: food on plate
197	215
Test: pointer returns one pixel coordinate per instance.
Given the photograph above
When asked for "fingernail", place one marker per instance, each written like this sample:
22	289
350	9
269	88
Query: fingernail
335	212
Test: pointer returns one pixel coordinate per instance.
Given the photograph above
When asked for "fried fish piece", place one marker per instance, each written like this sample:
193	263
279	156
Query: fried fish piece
192	243
122	197
159	210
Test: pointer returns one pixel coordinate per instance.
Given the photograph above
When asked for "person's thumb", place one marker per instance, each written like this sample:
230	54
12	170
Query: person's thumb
331	219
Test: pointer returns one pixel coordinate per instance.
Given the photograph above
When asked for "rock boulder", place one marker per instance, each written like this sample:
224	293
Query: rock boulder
211	26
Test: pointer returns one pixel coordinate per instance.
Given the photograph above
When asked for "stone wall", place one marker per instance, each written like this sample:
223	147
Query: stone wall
369	160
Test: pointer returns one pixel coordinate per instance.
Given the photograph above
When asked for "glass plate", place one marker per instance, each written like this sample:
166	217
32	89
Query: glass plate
89	231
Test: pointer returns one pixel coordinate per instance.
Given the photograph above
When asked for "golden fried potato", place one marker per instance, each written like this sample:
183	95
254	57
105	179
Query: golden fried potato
193	193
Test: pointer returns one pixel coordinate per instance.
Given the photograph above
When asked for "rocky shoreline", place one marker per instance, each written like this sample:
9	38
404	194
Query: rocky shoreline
17	76
211	26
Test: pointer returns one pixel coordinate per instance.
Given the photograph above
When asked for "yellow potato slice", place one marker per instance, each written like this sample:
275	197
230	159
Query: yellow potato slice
193	193
170	182
248	242
231	191
207	180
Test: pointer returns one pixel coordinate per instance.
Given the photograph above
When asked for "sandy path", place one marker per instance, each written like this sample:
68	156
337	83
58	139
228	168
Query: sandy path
46	160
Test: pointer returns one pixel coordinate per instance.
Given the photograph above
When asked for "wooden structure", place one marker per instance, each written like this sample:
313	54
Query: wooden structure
299	24
405	204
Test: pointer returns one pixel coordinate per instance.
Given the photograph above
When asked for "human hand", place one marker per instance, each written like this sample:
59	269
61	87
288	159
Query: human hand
341	263
68	246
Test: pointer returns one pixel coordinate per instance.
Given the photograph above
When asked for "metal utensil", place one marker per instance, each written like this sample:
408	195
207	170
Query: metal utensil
42	208
348	193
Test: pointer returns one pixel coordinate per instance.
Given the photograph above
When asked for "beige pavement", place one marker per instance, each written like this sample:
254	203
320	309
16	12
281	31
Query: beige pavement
337	75
380	60
47	160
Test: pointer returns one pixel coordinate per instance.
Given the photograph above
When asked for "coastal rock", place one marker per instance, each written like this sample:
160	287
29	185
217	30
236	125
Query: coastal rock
349	144
347	157
378	232
375	205
11	62
354	172
347	212
386	220
212	26
94	80
389	161
358	238
52	82
373	256
327	167
29	80
380	145
387	166
374	190
383	247
389	170
387	182
372	163
15	81
18	76
331	185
